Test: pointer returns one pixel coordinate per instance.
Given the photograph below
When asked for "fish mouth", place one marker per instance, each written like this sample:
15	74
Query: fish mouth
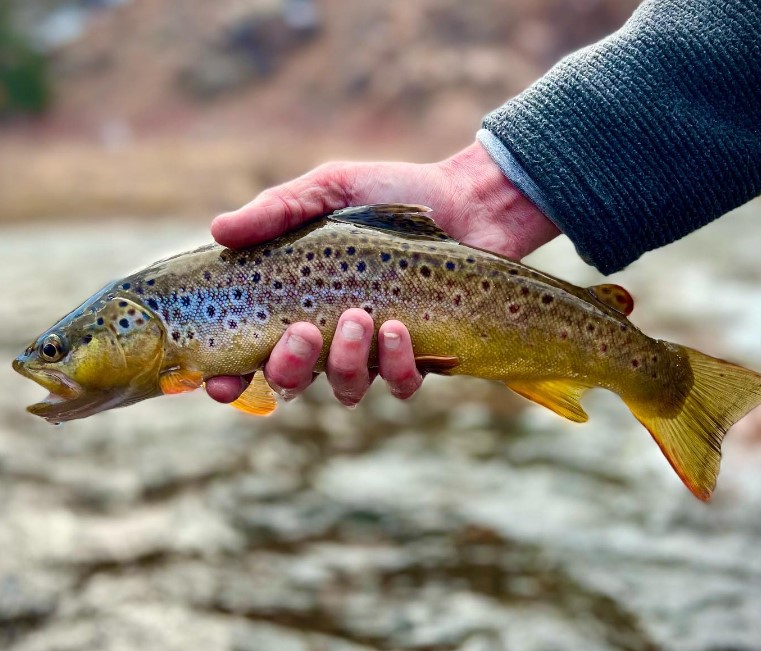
66	399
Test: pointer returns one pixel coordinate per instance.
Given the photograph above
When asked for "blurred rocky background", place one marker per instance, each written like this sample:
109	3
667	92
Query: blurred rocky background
463	520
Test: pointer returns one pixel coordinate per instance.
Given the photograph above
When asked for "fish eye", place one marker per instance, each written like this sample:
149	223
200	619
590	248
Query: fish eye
52	348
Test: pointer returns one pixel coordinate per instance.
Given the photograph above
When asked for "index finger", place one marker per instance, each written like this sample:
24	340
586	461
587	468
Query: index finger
284	207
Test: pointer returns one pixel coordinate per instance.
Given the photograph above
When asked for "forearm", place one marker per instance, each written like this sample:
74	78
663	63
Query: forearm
635	141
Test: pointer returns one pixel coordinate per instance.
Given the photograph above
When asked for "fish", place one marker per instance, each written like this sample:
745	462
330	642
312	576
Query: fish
170	326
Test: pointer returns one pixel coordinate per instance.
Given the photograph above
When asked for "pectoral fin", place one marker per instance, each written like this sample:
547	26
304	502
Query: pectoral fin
561	396
180	381
440	364
258	398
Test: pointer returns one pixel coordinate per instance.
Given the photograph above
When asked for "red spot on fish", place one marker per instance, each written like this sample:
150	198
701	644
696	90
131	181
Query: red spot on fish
635	363
564	334
603	348
514	308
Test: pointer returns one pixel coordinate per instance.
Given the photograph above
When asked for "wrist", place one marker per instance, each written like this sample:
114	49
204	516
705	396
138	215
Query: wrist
486	187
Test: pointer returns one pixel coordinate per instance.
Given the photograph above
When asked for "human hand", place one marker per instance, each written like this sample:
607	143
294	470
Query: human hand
472	200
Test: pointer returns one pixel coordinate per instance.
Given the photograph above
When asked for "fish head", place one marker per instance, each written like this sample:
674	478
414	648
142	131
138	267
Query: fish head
107	353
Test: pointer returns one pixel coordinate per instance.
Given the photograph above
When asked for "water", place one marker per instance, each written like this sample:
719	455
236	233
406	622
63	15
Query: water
459	520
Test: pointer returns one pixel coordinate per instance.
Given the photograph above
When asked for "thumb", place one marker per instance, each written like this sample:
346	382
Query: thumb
284	207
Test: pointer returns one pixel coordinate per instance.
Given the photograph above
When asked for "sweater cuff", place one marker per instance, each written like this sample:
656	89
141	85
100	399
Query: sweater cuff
515	173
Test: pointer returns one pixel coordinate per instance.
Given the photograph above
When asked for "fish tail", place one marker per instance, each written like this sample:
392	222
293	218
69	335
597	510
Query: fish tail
721	393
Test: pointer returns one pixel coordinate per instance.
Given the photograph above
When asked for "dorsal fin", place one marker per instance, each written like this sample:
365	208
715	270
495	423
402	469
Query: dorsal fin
401	219
613	296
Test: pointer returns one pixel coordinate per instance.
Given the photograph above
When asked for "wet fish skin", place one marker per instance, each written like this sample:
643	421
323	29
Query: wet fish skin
215	311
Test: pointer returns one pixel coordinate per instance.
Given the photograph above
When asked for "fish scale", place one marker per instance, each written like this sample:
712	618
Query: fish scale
215	311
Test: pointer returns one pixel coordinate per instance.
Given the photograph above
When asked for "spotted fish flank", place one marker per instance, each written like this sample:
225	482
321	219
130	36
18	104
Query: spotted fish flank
214	311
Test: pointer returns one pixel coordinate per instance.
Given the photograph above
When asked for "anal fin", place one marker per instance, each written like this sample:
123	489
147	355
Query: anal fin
258	399
180	381
561	396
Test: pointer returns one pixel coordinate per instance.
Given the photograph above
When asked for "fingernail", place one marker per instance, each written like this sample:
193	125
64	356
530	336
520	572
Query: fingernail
391	340
298	345
352	331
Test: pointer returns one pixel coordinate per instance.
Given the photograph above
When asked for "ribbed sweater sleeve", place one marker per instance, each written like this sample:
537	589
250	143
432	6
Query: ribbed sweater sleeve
639	139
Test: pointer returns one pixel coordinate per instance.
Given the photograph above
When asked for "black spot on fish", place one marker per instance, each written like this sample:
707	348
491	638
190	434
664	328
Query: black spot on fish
590	327
425	271
524	291
233	324
635	363
403	264
191	334
396	291
122	303
211	343
323	321
289	250
100	321
237	294
211	311
267	253
350	250
310	256
185	300
327	251
86	339
256	277
547	299
514	308
368	308
277	285
150	282
344	266
153	304
470	260
262	315
307	302
385	257
207	275
139	290
319	282
361	266
337	285
176	335
513	272
485	285
285	321
242	261
450	266
305	271
126	286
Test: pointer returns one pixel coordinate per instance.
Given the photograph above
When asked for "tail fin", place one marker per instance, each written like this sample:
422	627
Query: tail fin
721	394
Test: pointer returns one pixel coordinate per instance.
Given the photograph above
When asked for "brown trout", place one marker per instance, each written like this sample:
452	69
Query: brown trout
214	311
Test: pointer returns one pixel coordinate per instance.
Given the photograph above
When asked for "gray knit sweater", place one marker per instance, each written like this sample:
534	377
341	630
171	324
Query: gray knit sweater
643	137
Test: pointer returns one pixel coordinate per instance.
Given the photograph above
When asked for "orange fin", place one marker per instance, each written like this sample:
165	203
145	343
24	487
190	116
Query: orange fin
440	364
720	394
613	296
180	381
561	396
258	398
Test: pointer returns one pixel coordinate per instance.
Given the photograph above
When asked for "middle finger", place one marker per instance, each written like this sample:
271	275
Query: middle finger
347	361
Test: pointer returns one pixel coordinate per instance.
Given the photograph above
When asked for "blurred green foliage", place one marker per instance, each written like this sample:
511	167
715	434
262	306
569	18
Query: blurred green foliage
24	82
